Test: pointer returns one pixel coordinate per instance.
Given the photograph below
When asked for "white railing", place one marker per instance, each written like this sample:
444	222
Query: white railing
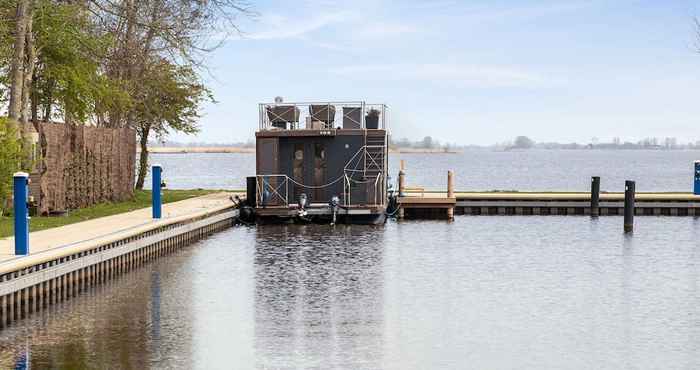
322	115
272	190
378	191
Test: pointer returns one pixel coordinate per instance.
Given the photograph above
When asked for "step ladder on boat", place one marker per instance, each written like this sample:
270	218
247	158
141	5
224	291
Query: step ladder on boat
374	158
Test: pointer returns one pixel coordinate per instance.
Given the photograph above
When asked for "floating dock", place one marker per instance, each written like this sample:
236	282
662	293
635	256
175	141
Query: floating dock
66	260
432	204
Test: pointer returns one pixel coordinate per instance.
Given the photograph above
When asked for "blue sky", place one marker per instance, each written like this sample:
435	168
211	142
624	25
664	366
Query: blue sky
469	72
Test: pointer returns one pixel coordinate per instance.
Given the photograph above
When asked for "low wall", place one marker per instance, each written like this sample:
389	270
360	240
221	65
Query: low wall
83	165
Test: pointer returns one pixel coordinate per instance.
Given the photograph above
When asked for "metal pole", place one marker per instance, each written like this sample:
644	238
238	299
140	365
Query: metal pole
156	191
595	196
629	206
696	185
21	212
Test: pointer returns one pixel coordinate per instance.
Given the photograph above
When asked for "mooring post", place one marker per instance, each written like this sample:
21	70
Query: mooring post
21	212
450	192
156	200
696	184
402	189
403	165
595	195
629	206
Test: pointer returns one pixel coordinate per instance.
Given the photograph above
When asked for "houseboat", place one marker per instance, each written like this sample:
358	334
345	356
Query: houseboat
320	162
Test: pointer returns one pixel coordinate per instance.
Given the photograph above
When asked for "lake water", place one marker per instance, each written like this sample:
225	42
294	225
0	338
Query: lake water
480	292
567	170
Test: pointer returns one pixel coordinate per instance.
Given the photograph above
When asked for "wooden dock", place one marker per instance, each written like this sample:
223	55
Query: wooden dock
65	260
431	204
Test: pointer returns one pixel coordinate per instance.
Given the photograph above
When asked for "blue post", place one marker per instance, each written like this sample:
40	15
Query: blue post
696	187
156	190
21	194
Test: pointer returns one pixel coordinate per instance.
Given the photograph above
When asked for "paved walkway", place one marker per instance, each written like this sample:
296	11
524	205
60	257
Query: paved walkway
105	229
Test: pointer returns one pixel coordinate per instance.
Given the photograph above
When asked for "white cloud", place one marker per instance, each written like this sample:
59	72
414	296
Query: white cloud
284	27
384	30
462	75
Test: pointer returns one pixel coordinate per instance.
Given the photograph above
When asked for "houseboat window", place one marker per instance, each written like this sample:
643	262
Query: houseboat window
299	154
320	151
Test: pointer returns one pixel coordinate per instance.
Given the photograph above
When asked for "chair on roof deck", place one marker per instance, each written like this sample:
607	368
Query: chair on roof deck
324	113
352	118
280	115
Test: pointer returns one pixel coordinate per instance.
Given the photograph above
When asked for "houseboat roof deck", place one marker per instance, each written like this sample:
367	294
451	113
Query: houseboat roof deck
320	116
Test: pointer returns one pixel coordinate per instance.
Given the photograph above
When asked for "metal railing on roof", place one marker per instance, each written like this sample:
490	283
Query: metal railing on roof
322	115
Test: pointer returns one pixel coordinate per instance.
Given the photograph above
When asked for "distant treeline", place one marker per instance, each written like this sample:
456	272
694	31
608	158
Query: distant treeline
177	144
669	143
524	142
518	143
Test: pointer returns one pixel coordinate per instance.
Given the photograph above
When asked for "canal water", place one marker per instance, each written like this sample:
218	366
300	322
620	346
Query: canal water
479	292
534	170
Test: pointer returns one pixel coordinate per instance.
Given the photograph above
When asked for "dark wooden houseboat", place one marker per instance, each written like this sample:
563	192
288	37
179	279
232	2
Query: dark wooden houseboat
321	162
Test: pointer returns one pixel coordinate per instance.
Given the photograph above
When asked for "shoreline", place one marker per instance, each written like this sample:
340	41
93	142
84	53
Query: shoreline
243	150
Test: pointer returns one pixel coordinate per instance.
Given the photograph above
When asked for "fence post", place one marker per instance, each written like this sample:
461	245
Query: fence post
156	200
21	194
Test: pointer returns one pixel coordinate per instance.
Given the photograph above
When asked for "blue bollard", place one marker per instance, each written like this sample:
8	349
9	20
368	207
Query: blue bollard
21	194
696	185
157	204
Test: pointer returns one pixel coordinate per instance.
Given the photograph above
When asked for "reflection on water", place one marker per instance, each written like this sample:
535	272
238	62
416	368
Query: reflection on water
481	292
318	297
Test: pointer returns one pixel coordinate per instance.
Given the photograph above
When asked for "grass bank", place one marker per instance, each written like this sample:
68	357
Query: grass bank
142	199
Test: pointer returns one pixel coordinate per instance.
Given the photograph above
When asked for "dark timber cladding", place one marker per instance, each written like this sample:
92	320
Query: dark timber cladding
314	157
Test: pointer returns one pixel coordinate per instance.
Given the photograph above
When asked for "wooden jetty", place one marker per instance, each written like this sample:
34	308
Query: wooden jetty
417	203
66	260
432	204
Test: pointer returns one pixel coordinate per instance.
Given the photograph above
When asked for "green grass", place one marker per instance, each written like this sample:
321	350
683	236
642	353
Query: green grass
142	199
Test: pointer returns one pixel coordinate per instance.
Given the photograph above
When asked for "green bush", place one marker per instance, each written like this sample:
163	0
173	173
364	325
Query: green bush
10	160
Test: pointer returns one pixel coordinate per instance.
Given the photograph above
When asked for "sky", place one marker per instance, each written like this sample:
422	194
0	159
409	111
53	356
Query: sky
468	72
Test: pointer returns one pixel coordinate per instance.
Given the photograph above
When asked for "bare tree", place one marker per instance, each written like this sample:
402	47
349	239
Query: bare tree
149	33
17	65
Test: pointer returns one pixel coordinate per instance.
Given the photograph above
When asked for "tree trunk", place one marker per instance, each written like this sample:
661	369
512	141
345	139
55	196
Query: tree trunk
49	101
30	63
17	63
35	102
143	160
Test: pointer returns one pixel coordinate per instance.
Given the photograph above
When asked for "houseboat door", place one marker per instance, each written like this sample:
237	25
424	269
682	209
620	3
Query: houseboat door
298	170
320	178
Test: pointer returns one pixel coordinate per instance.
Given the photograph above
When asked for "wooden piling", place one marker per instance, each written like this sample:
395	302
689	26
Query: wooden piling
595	196
402	189
629	206
450	193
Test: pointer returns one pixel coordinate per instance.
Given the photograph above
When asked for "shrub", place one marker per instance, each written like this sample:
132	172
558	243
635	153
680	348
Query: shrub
10	160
